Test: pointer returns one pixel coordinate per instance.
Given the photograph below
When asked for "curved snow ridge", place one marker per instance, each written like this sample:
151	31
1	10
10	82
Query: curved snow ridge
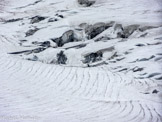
55	93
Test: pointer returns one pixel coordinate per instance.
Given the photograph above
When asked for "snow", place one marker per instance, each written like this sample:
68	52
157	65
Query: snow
109	90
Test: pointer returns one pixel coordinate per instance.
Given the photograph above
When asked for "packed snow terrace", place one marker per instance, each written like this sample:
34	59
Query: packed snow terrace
81	61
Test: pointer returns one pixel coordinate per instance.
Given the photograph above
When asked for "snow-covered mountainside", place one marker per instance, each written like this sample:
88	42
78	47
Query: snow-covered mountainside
81	60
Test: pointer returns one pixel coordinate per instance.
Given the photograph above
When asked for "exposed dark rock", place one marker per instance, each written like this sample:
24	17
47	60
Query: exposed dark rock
146	59
20	52
157	43
102	38
36	19
124	69
131	49
137	69
86	3
160	78
146	93
141	77
93	57
36	2
61	16
108	49
96	56
13	20
58	41
112	61
23	40
143	74
126	53
159	53
38	50
120	59
67	37
125	32
120	35
119	29
160	38
158	59
153	74
61	58
76	46
31	32
155	91
35	42
52	20
93	30
45	44
140	45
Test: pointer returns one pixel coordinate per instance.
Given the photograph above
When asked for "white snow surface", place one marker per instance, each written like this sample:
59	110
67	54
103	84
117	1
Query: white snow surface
113	89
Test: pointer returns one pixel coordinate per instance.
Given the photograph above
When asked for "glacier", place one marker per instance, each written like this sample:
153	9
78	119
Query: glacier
81	61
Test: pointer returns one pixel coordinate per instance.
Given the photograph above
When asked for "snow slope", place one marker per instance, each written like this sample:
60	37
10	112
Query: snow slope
110	69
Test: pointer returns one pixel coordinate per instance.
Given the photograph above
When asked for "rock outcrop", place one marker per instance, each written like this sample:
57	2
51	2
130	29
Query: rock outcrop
31	32
61	58
68	36
93	57
86	3
37	19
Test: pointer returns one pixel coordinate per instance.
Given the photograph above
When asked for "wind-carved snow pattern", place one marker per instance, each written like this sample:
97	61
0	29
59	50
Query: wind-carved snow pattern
81	61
